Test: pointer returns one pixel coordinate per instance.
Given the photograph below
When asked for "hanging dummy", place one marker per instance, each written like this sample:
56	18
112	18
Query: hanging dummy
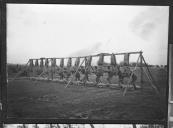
76	65
36	62
69	62
62	62
53	62
31	64
99	70
41	62
113	60
126	69
89	60
126	59
86	71
61	70
101	59
86	61
77	62
46	62
68	70
113	69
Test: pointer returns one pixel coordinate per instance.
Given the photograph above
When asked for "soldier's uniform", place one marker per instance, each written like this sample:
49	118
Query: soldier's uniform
61	73
111	72
77	76
121	77
68	73
133	80
85	72
110	75
99	73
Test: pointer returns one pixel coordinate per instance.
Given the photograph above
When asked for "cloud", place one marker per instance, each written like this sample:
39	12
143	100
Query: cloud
88	50
150	23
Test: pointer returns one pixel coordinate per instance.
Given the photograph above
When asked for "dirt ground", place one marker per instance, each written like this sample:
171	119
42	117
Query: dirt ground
31	99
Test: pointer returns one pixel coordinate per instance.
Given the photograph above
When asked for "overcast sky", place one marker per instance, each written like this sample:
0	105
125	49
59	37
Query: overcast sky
35	31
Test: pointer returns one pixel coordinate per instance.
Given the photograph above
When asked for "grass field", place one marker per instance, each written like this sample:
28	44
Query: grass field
53	100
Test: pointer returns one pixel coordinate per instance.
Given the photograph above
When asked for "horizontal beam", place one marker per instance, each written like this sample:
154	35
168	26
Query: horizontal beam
105	54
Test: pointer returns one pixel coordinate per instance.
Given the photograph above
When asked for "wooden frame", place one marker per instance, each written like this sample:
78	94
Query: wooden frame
141	58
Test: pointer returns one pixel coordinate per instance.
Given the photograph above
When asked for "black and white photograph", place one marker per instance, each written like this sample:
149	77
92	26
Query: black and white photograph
83	126
90	62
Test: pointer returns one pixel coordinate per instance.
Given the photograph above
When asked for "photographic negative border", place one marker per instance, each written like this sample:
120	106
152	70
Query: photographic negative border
170	99
3	59
83	125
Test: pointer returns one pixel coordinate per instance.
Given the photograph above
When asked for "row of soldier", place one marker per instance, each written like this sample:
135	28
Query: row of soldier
113	69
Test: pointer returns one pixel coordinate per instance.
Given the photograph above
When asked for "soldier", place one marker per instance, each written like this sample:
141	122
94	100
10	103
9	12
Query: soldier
61	73
77	73
133	79
125	72
85	71
77	76
99	73
110	75
111	72
121	77
67	72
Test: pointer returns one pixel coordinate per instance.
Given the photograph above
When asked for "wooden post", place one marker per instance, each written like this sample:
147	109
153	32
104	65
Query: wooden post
150	78
149	71
141	69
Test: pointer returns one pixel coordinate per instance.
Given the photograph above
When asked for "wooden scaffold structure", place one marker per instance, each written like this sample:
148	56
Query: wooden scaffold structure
47	69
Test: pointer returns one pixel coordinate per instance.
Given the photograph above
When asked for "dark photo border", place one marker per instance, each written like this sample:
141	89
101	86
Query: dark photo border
3	59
